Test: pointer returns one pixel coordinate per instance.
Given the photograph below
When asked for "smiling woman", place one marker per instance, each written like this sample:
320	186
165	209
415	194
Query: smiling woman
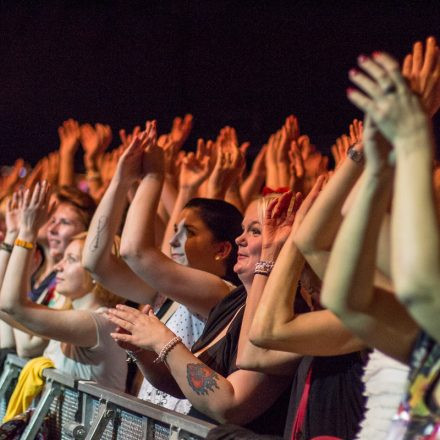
80	344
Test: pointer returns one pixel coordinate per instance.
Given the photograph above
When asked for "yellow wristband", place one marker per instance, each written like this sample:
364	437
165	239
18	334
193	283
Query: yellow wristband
23	243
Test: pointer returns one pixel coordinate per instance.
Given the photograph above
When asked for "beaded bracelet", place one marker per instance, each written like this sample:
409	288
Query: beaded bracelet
166	349
264	268
7	247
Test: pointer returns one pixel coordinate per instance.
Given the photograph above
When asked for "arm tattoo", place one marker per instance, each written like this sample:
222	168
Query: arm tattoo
201	378
102	223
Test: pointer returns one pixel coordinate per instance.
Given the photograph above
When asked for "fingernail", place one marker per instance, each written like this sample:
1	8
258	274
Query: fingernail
353	72
350	90
362	58
376	54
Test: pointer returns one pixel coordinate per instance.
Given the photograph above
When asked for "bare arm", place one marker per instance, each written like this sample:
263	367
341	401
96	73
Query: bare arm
372	313
254	181
233	399
275	230
276	326
107	268
415	232
198	290
69	140
76	327
318	230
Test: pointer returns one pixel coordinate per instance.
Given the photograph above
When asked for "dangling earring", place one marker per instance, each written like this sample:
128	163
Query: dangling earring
93	281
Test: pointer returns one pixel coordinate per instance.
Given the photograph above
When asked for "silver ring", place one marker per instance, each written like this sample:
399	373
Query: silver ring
390	89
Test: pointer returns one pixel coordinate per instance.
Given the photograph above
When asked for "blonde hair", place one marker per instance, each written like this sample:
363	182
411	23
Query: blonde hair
263	203
102	294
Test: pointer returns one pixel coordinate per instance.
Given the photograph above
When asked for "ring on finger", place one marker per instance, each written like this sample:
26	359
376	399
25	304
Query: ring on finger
389	90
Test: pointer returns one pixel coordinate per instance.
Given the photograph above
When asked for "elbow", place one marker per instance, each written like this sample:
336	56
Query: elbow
246	361
30	352
416	291
235	416
6	307
130	251
305	245
262	337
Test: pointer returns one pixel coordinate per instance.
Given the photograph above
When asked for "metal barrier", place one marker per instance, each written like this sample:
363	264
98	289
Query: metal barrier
78	409
114	415
11	370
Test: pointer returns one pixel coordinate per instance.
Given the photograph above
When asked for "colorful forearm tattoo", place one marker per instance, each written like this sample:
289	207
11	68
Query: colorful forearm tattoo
201	378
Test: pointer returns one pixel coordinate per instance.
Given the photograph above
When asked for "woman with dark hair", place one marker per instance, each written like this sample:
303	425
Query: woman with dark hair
200	236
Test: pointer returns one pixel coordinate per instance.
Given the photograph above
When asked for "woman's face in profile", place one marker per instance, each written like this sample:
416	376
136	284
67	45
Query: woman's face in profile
249	243
193	242
72	279
63	225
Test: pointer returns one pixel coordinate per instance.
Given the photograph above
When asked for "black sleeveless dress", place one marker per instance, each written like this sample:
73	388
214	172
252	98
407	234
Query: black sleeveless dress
221	357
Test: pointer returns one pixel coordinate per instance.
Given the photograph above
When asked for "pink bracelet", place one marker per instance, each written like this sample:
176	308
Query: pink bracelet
161	357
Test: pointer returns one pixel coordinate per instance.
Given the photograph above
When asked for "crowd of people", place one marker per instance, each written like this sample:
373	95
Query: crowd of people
283	297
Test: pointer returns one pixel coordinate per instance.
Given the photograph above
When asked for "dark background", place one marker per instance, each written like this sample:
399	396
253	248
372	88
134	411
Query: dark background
245	63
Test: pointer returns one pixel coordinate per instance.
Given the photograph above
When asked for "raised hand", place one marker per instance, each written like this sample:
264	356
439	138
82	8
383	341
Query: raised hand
126	139
195	168
278	221
13	210
386	98
171	160
356	130
228	166
129	167
69	134
35	175
379	155
422	69
181	129
36	209
8	182
297	172
53	165
153	157
94	141
340	148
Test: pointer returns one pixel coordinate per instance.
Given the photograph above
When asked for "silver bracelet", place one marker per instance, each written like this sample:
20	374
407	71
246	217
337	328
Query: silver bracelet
264	268
161	357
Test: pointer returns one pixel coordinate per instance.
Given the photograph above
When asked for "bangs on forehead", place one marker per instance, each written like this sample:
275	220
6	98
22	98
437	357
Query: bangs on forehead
78	217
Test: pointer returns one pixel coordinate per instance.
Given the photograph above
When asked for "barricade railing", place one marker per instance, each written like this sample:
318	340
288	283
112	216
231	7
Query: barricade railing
75	409
8	379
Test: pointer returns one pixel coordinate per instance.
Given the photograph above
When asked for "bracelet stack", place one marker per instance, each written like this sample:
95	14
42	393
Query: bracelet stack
6	247
161	357
264	268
